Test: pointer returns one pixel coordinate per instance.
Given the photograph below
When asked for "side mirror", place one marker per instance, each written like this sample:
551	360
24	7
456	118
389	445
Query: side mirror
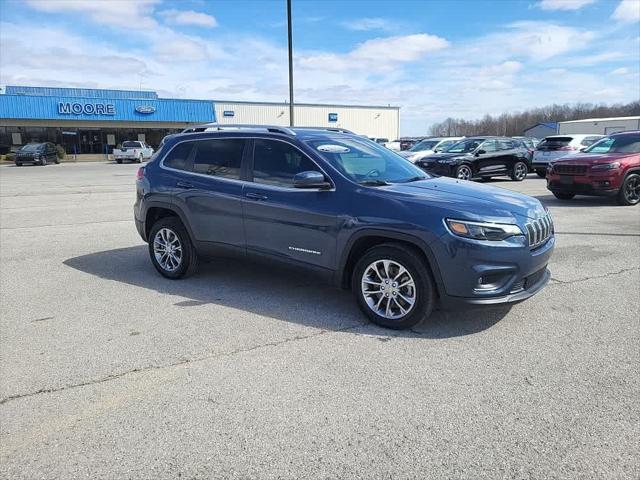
311	179
583	149
480	152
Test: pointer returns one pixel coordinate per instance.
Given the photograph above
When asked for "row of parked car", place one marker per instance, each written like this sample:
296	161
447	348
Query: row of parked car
580	164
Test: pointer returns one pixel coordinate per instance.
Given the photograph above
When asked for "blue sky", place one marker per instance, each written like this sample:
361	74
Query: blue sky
435	59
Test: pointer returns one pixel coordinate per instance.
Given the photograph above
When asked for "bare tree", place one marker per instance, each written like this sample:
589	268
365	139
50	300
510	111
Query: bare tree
514	123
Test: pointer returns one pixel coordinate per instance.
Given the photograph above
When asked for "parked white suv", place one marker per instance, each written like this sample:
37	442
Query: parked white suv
557	146
428	146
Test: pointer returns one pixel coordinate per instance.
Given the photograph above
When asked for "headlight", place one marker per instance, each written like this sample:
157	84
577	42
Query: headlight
482	231
448	160
606	166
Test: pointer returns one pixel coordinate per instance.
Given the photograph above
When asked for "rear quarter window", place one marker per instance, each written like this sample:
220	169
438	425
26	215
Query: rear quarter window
178	156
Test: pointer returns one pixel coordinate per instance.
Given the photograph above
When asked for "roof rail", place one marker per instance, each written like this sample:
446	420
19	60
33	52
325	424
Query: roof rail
329	129
212	127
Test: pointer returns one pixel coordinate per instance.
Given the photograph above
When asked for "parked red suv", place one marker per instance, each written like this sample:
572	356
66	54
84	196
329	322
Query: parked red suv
609	167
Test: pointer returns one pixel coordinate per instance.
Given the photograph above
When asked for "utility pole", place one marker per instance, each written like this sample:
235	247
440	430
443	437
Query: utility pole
290	63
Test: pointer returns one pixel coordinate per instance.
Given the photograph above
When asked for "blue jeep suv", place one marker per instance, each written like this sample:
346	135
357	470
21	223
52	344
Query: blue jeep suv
353	211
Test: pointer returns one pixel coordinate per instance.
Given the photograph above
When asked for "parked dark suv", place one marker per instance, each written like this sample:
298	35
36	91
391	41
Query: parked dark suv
480	157
37	153
346	208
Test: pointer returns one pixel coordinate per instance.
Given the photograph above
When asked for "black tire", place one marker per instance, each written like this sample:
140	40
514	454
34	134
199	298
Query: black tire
541	173
424	293
139	159
629	193
56	161
563	196
519	171
119	161
18	164
189	259
43	161
464	172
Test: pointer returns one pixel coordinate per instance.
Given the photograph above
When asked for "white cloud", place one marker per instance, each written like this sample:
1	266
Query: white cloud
108	12
619	71
366	24
564	4
627	11
378	54
189	17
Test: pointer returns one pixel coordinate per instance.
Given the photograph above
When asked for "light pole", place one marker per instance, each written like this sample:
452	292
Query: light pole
290	63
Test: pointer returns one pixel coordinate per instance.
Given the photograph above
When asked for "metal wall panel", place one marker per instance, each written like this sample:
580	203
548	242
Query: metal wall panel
381	122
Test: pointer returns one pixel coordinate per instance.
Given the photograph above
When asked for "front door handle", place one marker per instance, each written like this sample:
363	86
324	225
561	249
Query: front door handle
255	196
185	185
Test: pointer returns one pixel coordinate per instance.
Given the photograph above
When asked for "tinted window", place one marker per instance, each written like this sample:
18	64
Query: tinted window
276	163
218	158
464	146
555	142
490	146
505	145
131	144
179	156
32	147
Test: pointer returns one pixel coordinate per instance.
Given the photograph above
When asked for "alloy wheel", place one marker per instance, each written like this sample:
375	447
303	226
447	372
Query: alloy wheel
632	190
167	249
388	289
464	173
520	171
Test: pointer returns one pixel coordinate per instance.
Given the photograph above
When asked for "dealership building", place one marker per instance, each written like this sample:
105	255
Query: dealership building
95	121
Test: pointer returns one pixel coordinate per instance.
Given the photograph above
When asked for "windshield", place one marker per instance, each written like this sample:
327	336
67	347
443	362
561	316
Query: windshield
32	147
130	144
424	145
619	144
465	146
364	161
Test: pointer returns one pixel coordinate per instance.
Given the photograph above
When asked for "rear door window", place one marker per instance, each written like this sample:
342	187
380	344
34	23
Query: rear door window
276	163
505	144
219	157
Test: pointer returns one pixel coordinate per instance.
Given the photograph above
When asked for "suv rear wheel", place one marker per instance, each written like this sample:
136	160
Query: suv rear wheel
170	249
519	171
393	286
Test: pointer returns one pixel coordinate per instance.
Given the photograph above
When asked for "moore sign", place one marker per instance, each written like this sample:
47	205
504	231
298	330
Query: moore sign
72	108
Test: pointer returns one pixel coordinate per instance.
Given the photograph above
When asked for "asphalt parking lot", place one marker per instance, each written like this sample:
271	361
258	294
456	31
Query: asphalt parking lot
110	371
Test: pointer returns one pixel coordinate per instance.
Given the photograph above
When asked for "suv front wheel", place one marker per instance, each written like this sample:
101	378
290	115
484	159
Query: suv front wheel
170	249
393	286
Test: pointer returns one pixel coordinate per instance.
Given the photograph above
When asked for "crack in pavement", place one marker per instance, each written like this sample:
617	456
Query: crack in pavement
175	364
610	274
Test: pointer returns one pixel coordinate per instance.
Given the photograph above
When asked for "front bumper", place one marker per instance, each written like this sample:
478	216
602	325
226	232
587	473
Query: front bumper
599	185
491	273
441	169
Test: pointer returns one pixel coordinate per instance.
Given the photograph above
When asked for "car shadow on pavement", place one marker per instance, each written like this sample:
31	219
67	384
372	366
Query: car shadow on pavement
578	201
276	292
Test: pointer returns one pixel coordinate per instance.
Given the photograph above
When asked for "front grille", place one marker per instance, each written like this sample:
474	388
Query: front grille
569	169
539	231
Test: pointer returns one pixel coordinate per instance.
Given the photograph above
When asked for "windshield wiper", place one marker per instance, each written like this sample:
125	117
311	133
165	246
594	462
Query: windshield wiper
374	183
414	179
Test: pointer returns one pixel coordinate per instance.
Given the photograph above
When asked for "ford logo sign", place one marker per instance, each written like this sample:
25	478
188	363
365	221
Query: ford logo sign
145	109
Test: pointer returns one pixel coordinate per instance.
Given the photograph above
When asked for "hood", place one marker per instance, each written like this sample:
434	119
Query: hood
595	158
473	201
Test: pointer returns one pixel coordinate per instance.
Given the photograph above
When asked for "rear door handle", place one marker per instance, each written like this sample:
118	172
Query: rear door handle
255	196
185	185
